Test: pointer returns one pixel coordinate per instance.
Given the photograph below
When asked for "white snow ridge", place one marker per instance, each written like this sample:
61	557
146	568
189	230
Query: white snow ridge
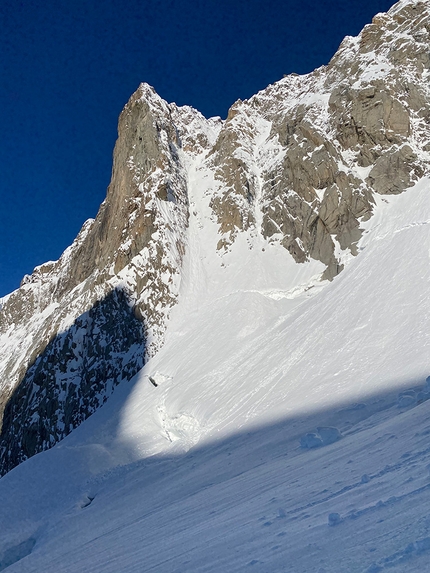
281	421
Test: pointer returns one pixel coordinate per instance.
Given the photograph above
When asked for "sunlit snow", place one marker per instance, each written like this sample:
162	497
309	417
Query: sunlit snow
214	468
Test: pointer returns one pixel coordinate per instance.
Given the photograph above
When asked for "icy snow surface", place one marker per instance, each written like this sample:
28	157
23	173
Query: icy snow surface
288	430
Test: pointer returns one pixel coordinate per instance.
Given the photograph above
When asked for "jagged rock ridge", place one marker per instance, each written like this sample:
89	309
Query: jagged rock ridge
299	164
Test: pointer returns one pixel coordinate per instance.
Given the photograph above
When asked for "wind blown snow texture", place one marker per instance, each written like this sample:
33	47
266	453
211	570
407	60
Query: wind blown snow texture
282	427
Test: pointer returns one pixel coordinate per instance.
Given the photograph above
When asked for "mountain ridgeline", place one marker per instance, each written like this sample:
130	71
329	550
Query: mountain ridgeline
299	164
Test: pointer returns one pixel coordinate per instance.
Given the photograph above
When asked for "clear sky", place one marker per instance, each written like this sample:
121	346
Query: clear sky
67	67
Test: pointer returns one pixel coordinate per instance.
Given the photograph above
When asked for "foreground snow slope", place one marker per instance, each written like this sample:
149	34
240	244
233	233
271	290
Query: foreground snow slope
213	469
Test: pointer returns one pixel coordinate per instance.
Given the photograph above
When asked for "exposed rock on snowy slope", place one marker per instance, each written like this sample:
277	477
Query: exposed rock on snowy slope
72	378
297	165
311	151
134	246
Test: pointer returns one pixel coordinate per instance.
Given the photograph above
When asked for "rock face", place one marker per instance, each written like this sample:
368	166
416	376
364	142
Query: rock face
334	137
299	163
122	273
72	378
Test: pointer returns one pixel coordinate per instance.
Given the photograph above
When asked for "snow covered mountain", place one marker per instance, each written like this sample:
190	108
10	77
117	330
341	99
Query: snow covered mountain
269	272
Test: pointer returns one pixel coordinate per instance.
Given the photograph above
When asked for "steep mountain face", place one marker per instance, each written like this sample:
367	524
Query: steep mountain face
298	165
304	157
72	378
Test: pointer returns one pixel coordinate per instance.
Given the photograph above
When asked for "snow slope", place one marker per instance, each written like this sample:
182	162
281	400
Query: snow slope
213	469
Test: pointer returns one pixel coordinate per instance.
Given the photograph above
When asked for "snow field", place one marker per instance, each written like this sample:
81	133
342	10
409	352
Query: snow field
207	471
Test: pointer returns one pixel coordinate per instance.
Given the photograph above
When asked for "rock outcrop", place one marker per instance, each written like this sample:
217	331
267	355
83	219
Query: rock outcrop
299	163
72	377
355	127
131	252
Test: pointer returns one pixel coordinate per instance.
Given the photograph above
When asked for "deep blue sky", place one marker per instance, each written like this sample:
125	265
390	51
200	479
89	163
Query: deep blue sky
67	67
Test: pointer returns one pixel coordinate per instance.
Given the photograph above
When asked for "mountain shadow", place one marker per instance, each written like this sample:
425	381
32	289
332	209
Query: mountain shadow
72	378
261	499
